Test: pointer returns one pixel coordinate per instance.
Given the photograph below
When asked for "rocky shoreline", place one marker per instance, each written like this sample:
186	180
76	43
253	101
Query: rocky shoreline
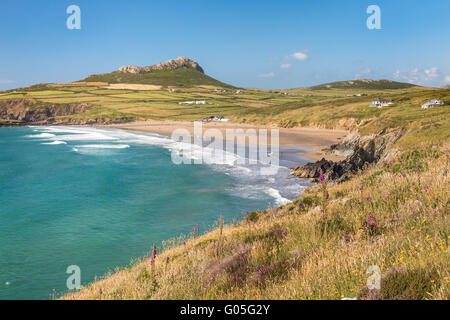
359	152
21	112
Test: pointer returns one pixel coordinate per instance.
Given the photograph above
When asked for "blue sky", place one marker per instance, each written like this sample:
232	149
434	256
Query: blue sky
262	44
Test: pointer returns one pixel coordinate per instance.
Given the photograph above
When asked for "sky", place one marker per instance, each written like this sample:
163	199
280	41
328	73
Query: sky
257	44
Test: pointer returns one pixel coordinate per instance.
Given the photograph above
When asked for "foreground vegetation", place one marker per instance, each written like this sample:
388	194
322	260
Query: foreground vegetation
395	216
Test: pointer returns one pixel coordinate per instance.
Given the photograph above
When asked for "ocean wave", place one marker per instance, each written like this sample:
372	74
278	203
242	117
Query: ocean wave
104	146
41	135
55	142
279	200
252	180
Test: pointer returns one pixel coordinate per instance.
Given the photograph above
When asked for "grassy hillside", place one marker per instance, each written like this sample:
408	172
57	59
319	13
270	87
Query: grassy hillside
303	107
364	84
394	216
182	77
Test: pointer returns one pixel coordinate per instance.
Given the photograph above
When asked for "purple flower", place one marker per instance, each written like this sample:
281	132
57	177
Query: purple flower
404	175
417	167
327	196
427	188
386	197
154	252
368	199
167	260
246	212
100	292
184	243
321	177
390	163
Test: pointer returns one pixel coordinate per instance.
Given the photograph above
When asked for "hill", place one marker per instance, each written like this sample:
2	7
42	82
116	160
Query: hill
180	72
364	84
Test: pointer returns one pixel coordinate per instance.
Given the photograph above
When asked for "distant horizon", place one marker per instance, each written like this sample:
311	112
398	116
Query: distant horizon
206	73
288	44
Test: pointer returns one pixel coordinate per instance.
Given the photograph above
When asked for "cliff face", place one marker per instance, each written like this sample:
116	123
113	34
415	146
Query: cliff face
181	62
28	111
359	151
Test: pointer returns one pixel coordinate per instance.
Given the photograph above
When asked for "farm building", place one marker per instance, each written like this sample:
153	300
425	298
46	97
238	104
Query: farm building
379	103
432	103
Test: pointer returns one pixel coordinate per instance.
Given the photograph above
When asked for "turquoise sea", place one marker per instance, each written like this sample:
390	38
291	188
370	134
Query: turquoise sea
98	198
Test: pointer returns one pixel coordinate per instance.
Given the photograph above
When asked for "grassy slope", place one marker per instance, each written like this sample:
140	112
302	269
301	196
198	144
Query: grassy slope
299	252
364	85
184	77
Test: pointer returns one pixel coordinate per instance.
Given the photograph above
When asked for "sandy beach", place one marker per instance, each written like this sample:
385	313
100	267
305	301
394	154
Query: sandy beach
312	139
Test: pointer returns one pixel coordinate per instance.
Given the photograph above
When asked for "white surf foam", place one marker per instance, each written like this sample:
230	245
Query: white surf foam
41	135
104	146
250	182
55	142
278	198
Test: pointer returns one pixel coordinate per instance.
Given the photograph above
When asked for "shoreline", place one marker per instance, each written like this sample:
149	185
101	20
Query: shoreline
310	142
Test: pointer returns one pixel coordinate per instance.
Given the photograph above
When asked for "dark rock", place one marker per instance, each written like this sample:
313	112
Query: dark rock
31	111
181	62
366	150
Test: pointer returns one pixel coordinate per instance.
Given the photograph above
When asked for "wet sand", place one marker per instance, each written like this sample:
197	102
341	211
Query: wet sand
310	142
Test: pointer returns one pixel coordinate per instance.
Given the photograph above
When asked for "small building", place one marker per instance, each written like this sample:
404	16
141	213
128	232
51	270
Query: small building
215	118
380	103
192	102
239	91
432	103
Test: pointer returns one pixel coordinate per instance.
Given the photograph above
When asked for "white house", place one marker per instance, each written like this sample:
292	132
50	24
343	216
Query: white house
379	103
192	102
432	103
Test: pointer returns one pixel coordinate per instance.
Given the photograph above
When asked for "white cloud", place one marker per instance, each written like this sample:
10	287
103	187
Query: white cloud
300	55
6	81
447	79
286	66
418	76
363	72
267	75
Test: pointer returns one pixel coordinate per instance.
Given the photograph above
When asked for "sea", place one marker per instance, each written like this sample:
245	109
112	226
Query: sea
99	198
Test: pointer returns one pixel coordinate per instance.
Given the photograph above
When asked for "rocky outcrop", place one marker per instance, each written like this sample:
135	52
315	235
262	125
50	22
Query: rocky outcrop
359	151
28	111
181	62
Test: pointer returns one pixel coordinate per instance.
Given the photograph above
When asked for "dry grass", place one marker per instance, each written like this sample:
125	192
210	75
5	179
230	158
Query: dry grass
130	86
299	252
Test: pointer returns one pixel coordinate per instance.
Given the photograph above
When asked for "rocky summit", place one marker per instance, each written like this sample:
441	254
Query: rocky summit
181	62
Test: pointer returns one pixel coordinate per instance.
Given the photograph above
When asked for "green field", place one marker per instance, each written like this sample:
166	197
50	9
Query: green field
327	106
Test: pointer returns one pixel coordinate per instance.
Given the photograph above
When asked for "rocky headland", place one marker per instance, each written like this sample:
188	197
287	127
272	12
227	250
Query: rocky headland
359	152
181	62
